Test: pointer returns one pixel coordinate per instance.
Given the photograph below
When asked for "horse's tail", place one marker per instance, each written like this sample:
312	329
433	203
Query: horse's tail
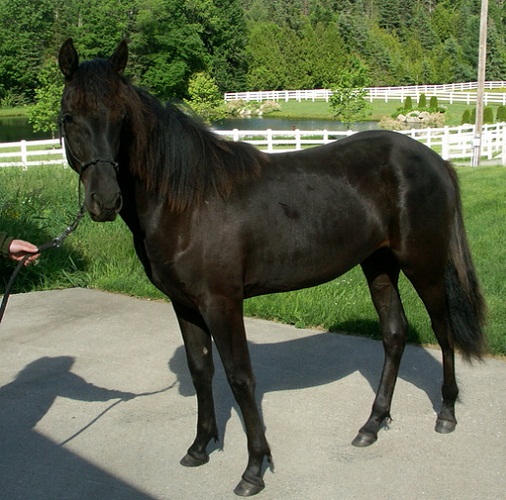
464	301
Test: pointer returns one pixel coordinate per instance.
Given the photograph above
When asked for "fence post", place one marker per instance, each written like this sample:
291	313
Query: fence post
24	156
503	148
269	140
235	137
297	139
445	144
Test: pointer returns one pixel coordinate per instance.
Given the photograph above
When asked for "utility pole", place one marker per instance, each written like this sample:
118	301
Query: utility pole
482	60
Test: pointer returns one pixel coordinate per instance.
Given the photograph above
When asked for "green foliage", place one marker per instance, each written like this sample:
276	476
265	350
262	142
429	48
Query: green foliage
433	103
44	114
253	45
488	115
408	103
168	48
501	114
23	30
348	100
473	115
349	104
205	98
222	28
422	101
466	117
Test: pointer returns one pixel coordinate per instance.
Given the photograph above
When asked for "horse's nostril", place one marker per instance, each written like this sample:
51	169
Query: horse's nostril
119	202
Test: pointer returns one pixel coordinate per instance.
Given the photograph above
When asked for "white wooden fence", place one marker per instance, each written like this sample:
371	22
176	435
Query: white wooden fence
450	142
32	153
450	93
454	143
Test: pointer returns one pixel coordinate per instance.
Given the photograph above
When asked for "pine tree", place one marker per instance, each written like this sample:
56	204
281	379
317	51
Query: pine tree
501	114
488	115
466	117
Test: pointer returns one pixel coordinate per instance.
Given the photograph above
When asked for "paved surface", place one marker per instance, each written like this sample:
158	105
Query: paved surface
69	357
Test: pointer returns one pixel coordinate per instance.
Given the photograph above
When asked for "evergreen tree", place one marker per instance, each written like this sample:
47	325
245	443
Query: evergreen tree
488	115
390	14
266	60
501	114
23	30
168	48
466	118
222	28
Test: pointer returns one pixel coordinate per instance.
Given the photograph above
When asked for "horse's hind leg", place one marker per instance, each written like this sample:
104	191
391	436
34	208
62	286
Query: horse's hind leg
432	292
198	348
382	273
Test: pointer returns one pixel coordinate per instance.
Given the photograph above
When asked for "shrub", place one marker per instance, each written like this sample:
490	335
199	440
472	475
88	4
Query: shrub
234	108
501	114
466	117
422	101
488	115
390	123
434	120
269	107
408	103
433	104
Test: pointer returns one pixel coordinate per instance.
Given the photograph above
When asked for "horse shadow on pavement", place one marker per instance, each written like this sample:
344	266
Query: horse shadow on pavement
310	361
31	465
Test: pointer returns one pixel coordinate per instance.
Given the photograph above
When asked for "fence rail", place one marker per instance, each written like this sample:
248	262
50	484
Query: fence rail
32	153
451	143
450	93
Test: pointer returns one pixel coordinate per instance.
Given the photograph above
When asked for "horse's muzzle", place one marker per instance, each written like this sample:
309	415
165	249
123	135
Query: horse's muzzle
104	210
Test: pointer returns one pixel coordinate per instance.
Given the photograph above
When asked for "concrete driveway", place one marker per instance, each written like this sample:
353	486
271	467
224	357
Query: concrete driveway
96	403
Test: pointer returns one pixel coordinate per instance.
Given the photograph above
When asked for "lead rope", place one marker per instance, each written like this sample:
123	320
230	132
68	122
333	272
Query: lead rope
54	243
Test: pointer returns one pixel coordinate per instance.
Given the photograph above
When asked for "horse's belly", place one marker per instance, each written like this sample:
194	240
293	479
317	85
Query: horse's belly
292	260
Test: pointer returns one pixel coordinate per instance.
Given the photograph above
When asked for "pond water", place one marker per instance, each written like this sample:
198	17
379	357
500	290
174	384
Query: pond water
286	124
14	129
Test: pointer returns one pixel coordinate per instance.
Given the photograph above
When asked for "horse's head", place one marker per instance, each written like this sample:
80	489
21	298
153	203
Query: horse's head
93	110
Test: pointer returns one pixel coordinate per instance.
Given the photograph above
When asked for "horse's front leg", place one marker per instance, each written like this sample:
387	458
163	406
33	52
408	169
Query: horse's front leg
197	341
224	316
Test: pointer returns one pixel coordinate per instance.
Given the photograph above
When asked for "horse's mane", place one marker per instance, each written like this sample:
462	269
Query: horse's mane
177	156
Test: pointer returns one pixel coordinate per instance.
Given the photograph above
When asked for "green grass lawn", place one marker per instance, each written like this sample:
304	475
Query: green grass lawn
320	110
39	203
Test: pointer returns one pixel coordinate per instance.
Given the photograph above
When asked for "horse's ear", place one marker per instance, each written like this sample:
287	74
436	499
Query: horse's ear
68	59
120	57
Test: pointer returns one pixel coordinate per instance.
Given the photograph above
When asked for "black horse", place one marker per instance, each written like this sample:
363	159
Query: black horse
215	222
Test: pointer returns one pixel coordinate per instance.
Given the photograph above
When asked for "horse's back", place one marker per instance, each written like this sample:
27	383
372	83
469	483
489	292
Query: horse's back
327	209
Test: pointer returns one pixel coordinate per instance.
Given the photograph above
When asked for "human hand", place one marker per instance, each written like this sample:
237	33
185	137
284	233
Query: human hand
18	249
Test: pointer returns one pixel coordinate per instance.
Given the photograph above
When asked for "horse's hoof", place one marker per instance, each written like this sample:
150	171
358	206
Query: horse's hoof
362	440
445	426
248	489
192	461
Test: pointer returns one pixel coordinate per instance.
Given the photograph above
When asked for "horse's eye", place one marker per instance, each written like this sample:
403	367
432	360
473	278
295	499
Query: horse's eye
67	118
